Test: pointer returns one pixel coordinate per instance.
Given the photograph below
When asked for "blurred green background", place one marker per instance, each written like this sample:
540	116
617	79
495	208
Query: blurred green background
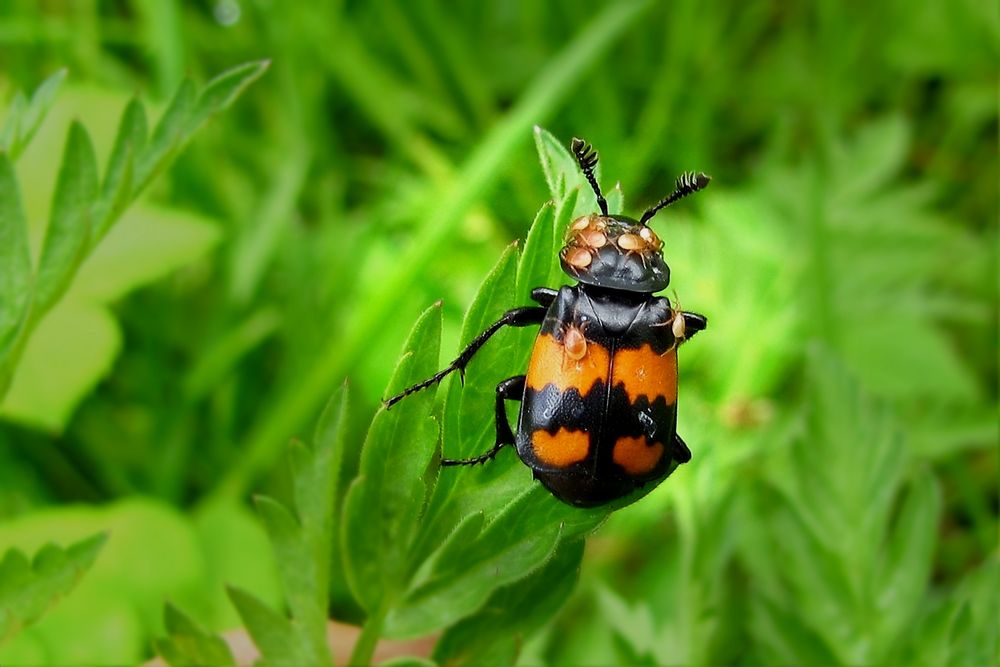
842	405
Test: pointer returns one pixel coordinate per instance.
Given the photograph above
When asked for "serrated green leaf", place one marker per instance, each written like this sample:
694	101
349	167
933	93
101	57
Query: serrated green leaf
846	571
28	588
279	639
384	501
513	611
188	645
15	258
70	223
465	572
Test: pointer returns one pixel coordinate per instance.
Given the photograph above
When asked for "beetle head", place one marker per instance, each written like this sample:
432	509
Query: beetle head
615	251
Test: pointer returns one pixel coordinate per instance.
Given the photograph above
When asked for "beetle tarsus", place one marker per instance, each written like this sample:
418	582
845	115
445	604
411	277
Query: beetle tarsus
511	389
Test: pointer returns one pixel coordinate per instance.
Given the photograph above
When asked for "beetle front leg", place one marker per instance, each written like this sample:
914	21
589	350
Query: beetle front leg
516	317
511	389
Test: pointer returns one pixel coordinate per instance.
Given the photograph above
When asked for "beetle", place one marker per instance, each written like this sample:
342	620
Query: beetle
598	414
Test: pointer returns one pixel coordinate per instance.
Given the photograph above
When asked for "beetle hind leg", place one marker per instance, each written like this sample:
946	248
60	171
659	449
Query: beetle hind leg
511	389
681	452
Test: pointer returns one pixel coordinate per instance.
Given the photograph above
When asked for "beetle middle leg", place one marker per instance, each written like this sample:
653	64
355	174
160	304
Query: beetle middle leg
515	317
511	389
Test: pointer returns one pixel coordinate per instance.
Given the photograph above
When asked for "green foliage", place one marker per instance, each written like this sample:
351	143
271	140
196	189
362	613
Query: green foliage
83	207
841	504
29	587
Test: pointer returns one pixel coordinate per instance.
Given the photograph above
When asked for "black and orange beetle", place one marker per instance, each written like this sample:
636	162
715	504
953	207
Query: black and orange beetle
598	414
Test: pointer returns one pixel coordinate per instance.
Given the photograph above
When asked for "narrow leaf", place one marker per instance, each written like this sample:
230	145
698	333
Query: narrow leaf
539	254
221	91
25	117
15	258
71	219
116	190
558	165
274	635
167	137
187	112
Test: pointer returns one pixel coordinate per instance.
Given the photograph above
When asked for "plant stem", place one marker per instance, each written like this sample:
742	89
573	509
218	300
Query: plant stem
371	631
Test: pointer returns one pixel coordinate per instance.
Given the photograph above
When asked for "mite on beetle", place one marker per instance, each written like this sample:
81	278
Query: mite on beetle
598	415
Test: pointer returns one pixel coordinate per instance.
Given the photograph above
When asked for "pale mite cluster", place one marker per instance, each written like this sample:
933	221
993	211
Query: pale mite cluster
584	238
589	234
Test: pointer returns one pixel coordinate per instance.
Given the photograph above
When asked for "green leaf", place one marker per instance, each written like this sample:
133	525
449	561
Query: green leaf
15	258
148	243
116	189
469	567
223	90
907	565
385	500
845	571
71	349
186	113
539	254
318	495
189	645
563	175
24	118
75	344
167	137
28	588
513	612
279	639
559	166
70	223
297	567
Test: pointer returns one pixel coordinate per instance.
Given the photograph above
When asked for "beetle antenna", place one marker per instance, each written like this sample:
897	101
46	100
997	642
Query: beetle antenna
586	156
687	183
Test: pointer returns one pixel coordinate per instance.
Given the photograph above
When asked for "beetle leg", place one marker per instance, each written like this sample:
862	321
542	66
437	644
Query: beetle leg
693	323
681	452
544	296
511	389
516	317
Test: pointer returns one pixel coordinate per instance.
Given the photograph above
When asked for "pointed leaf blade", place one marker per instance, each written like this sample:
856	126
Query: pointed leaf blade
70	222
